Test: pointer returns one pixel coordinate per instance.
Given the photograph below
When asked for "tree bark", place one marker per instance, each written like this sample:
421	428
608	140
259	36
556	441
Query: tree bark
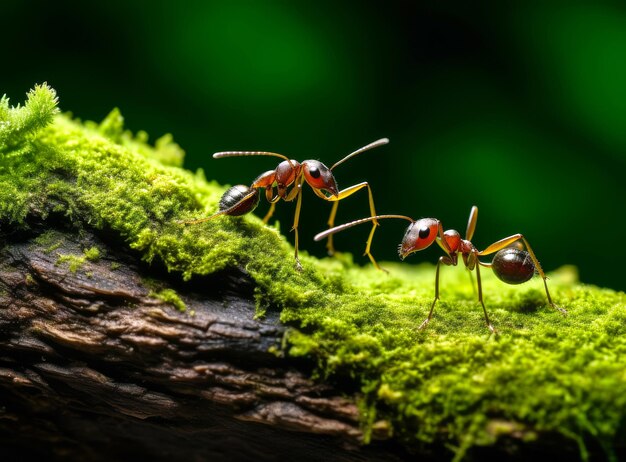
94	366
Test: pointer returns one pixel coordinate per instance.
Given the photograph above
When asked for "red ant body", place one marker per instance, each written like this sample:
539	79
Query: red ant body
511	265
241	199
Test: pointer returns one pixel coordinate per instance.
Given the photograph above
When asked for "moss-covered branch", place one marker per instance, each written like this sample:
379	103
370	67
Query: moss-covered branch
451	384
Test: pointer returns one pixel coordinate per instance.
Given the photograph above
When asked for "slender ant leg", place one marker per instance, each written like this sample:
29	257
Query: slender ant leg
446	261
330	246
331	219
469	234
471	223
480	297
269	213
296	221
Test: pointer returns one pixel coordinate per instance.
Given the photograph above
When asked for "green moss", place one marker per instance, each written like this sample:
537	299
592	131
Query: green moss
18	124
452	383
92	253
74	262
170	296
49	241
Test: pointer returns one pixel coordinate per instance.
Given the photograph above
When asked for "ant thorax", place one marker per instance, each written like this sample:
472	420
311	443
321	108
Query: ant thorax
286	173
466	246
453	239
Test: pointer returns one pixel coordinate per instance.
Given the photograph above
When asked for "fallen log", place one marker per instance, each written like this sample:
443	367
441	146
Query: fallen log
94	364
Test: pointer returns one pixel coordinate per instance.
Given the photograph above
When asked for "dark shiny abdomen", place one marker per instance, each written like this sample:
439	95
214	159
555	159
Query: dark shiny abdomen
235	194
513	266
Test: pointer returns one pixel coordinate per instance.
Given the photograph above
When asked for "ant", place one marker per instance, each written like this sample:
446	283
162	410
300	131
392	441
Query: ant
512	265
240	199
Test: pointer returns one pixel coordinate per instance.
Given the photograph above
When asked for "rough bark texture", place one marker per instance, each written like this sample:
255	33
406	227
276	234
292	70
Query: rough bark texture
93	365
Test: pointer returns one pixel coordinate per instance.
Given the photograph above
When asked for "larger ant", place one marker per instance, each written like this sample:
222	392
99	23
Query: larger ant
241	199
511	265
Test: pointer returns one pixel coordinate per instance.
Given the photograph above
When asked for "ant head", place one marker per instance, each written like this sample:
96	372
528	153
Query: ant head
318	176
419	235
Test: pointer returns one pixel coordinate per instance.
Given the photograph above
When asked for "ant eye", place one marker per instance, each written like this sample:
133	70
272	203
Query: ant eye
314	172
424	232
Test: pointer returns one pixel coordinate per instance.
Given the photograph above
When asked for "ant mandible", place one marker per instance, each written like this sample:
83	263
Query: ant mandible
241	199
510	264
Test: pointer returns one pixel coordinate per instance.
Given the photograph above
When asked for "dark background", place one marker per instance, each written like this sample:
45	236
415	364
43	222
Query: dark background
517	107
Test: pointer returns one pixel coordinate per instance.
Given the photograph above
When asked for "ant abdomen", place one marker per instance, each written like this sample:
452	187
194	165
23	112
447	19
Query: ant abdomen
236	193
513	266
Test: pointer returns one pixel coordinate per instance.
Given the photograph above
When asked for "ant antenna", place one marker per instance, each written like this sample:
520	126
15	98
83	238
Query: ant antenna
219	155
336	229
372	145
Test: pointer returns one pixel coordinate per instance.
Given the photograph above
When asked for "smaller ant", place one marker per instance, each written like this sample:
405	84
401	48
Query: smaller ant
512	265
240	199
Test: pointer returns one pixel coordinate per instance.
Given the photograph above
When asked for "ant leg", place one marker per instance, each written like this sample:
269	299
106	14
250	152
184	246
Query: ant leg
368	246
272	199
543	276
331	219
296	220
446	261
502	243
480	298
330	246
471	278
291	195
471	223
269	213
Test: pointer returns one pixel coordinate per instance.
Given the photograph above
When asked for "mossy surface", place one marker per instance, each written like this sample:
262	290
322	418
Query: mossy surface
452	383
170	296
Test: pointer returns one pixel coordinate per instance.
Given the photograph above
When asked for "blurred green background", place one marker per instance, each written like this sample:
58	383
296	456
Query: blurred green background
517	107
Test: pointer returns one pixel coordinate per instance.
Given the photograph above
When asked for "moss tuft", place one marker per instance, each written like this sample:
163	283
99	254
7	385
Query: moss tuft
452	383
49	241
92	254
18	123
74	262
170	296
